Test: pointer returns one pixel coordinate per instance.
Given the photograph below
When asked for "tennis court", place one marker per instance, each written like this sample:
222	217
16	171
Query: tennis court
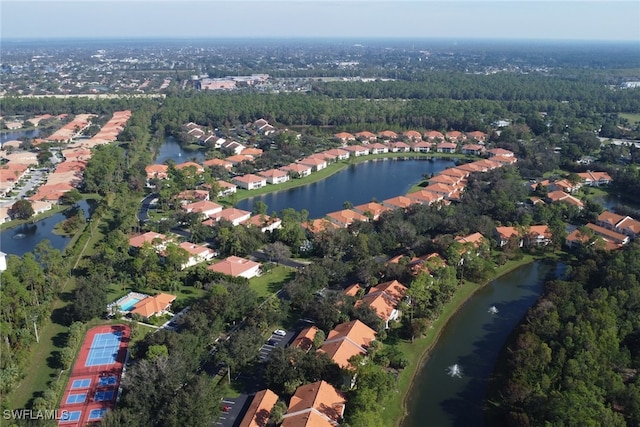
68	417
76	398
106	381
104	349
101	396
96	414
82	383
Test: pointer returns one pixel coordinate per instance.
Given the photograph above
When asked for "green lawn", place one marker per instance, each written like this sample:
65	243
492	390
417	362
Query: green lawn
271	282
633	118
416	352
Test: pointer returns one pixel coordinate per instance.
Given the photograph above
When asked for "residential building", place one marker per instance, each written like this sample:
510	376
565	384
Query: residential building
304	339
366	137
384	300
233	215
236	267
344	137
265	223
297	170
274	176
377	148
204	207
197	253
315	405
315	163
371	210
250	181
446	147
347	340
497	152
218	162
156	240
595	179
422	147
356	150
433	135
259	410
153	305
346	217
472	149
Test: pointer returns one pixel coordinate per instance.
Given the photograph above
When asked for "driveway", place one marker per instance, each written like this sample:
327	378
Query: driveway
274	342
143	213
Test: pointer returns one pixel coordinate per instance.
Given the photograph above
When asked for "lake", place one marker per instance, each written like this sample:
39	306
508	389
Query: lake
378	179
471	341
17	134
172	150
24	238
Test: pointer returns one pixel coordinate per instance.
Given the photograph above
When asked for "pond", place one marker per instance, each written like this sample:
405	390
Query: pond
172	150
451	386
378	179
17	134
24	238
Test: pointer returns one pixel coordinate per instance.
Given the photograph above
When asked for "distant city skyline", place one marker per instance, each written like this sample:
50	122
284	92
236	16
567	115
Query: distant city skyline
617	20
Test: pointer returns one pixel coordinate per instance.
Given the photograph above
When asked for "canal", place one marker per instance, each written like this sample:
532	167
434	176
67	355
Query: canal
360	183
451	386
24	238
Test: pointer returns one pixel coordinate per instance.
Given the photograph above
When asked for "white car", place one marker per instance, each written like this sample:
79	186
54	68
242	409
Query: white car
280	332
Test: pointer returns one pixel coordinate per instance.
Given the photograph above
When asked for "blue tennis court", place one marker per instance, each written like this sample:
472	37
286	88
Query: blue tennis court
71	416
101	396
96	414
104	381
104	349
83	383
76	398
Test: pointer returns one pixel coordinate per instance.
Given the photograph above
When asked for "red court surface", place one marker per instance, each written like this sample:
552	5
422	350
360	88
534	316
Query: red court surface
95	378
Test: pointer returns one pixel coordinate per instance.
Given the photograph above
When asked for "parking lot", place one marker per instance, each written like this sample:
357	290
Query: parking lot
274	342
232	410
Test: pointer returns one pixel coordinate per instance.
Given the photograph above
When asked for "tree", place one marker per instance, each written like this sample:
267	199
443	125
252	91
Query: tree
71	197
277	251
21	209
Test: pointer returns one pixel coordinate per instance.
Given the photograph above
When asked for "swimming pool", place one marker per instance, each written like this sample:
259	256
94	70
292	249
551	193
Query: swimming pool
128	304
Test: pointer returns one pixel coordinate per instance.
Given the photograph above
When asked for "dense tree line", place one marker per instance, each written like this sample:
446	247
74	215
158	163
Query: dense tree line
576	356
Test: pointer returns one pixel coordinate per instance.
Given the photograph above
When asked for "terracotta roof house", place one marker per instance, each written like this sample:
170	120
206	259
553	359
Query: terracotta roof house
51	192
445	179
561	196
250	151
473	149
471	167
314	163
153	306
377	148
204	207
197	253
564	185
609	235
399	147
366	136
387	135
297	170
157	240
320	399
535	235
372	209
443	190
426	263
157	171
578	238
478	136
236	267
250	181
346	217
595	179
318	225
425	197
233	215
505	160
412	135
185	165
226	188
356	150
629	226
236	159
457	172
398	202
446	147
493	152
344	137
307	419
304	339
264	222
609	220
475	239
218	162
352	290
489	164
455	136
433	135
274	176
347	340
187	196
384	299
336	153
422	147
259	410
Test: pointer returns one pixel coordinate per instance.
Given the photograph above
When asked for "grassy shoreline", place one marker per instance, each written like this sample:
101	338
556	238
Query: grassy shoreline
337	167
419	351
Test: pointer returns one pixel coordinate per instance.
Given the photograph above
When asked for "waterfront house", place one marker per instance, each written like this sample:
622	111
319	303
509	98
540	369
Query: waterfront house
274	176
250	181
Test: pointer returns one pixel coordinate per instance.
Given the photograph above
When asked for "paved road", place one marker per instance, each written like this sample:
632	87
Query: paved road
261	256
143	212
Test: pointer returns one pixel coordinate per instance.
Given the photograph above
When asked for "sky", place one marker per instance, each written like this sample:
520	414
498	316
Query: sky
610	20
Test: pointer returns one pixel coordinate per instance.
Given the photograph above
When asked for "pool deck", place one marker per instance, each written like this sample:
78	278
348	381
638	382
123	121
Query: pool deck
86	380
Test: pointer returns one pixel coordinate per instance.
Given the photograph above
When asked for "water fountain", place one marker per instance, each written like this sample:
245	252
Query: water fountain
454	371
493	309
19	236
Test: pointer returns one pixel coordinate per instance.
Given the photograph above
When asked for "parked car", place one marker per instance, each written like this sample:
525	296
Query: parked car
280	332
